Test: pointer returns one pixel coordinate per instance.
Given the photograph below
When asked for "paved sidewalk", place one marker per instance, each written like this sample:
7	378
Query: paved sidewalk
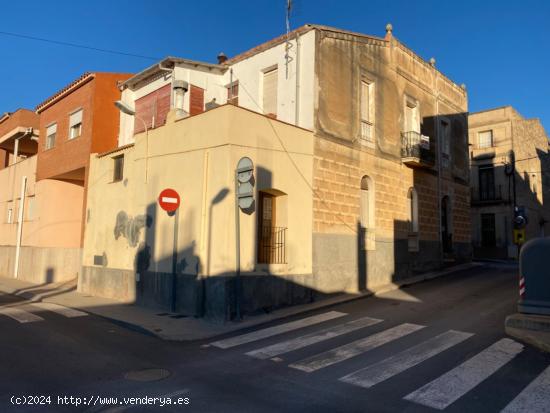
173	326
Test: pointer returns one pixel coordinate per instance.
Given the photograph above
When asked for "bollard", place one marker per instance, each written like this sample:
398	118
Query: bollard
534	277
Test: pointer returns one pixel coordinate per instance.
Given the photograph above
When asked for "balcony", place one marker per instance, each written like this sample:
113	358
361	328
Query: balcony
415	150
490	196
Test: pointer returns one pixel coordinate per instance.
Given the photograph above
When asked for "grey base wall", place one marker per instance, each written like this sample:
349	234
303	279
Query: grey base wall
41	265
338	267
340	263
211	297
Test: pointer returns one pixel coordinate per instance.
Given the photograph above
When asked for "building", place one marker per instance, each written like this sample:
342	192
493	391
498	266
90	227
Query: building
360	152
509	167
43	187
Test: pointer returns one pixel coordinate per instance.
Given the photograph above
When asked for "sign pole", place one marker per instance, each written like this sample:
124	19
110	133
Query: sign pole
238	250
175	261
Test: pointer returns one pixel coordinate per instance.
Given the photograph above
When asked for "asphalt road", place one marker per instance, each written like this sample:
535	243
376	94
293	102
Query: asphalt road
438	345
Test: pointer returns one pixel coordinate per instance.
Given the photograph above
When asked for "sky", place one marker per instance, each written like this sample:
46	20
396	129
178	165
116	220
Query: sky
499	49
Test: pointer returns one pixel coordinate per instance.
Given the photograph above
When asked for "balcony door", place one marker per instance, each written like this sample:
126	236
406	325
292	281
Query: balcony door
486	183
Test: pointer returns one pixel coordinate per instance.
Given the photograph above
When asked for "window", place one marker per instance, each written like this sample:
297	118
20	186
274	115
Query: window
485	139
367	111
270	93
486	183
445	138
233	94
75	124
488	233
271	236
118	173
412	117
153	109
413	210
51	132
10	216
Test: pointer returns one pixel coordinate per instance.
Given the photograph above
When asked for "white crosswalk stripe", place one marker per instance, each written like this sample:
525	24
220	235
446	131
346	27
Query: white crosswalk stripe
378	372
535	398
278	329
59	309
449	387
309	339
355	348
20	315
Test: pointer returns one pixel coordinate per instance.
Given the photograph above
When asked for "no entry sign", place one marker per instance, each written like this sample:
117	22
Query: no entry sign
169	200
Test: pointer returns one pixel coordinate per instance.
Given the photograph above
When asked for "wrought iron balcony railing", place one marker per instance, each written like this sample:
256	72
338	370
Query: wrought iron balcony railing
491	195
415	150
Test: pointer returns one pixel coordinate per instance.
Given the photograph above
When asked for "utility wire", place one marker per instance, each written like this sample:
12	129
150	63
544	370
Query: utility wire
311	188
79	46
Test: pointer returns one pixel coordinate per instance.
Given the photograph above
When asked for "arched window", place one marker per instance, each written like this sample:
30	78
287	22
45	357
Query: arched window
413	210
367	202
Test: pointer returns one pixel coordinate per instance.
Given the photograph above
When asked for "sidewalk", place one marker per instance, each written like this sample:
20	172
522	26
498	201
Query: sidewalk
172	326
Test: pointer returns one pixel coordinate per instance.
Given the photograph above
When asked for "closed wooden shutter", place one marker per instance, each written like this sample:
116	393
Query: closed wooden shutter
163	105
152	108
196	100
270	93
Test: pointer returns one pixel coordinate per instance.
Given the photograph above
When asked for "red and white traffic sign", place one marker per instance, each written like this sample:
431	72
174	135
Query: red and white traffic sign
169	200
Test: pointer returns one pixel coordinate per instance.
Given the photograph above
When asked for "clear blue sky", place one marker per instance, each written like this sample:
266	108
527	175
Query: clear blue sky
499	49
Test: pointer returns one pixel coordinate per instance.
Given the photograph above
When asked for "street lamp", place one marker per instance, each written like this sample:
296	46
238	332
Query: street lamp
124	108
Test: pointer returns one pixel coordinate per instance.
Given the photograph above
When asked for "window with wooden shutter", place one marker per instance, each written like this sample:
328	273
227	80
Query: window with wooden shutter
270	93
196	100
153	109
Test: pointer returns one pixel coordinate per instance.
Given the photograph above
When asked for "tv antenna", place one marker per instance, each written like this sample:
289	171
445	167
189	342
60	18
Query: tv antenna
288	44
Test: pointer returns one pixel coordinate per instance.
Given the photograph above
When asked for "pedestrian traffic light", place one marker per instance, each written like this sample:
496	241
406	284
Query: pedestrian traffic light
520	217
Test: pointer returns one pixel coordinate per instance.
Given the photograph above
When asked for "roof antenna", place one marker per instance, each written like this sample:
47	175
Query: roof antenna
288	45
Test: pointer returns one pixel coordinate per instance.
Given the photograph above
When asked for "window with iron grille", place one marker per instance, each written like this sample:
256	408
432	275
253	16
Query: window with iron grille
271	238
118	173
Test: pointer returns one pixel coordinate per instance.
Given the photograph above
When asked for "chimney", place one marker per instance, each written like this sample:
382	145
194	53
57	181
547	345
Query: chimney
222	58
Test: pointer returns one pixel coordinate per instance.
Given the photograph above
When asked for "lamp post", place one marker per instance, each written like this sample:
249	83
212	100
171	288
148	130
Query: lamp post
124	108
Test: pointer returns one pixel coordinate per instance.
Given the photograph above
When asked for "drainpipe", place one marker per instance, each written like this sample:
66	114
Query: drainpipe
19	226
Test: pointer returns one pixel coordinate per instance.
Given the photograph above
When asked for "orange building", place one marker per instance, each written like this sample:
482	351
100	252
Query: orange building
44	160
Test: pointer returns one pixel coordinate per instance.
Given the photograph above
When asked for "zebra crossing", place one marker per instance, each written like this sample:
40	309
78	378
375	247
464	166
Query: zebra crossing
30	312
438	394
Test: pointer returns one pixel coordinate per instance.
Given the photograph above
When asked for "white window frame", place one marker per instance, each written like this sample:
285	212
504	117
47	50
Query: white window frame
483	145
51	136
413	124
367	112
265	73
75	124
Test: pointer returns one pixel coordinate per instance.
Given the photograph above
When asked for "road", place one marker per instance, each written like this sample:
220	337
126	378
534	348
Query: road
437	345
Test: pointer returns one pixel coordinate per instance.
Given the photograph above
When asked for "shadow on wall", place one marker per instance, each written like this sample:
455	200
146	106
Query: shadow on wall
496	189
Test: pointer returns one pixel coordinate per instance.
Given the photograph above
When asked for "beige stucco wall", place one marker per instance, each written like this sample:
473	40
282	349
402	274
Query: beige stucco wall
197	157
51	225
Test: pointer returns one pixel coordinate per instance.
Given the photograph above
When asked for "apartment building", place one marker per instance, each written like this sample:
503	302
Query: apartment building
43	180
360	152
509	168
